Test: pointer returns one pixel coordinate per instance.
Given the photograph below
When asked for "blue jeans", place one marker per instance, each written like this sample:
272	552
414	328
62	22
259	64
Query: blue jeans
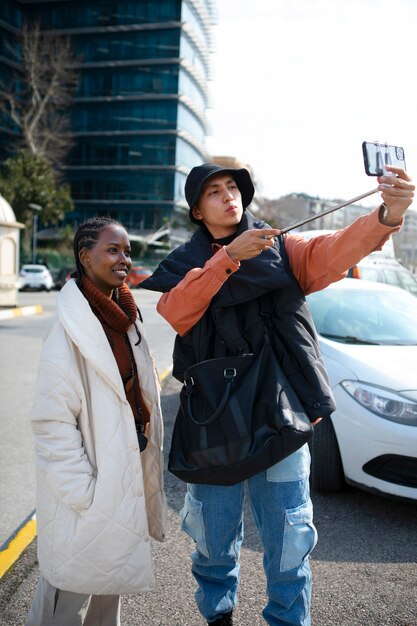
213	517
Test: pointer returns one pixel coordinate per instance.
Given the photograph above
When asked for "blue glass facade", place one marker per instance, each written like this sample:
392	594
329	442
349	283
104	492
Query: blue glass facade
138	118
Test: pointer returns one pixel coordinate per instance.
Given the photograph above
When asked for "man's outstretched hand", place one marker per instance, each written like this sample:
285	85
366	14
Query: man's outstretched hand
397	193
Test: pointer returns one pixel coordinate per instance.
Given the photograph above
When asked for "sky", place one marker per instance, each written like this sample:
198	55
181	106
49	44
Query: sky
299	84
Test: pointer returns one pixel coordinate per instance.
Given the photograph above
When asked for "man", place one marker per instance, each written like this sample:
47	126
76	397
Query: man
233	255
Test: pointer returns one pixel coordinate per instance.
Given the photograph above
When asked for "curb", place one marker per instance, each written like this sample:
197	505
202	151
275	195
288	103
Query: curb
24	311
23	536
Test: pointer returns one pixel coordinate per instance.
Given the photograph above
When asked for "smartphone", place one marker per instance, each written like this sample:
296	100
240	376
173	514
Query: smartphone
377	155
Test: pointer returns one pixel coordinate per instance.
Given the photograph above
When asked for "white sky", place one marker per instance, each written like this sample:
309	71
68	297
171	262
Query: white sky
299	84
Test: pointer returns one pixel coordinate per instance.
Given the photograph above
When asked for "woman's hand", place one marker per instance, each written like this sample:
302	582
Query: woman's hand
251	243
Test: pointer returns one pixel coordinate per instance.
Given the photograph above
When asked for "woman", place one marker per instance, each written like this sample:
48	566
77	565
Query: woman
98	436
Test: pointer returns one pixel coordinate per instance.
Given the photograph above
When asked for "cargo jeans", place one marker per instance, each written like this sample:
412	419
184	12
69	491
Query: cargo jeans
280	500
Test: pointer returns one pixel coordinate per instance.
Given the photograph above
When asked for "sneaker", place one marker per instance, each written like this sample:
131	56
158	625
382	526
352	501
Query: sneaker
224	620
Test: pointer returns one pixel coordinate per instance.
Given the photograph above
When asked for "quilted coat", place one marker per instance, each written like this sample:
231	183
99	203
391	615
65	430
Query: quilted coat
99	500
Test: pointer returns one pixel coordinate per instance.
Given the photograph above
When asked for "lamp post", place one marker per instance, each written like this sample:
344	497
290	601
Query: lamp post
36	208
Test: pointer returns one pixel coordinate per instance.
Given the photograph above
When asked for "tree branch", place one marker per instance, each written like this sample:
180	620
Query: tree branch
48	81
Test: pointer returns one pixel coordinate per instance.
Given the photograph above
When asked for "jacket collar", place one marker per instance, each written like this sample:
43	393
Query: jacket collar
86	332
196	251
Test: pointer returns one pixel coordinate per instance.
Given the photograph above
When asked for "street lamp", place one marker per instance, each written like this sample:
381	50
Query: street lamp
36	208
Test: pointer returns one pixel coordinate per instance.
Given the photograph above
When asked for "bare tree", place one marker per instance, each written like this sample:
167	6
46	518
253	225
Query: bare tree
42	89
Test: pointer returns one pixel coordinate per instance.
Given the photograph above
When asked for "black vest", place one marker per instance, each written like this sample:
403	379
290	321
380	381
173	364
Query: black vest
263	289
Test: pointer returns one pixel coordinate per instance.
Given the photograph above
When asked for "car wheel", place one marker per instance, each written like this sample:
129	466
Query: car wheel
326	463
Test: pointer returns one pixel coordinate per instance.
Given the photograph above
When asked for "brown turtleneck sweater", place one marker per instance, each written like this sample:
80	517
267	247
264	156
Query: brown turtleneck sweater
116	317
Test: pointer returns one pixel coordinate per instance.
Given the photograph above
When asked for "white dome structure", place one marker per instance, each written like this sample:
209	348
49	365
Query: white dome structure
7	215
9	254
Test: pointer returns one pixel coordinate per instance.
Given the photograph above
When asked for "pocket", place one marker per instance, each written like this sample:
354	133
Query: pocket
300	536
192	523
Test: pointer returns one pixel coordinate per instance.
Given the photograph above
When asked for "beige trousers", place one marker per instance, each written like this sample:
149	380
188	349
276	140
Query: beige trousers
53	607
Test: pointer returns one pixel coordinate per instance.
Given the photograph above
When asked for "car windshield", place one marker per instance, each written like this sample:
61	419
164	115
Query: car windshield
33	270
362	316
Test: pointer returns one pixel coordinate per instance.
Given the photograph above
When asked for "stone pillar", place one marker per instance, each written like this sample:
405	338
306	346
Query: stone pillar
9	254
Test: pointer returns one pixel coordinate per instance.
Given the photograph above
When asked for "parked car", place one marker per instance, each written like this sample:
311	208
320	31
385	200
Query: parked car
385	270
33	276
380	266
62	276
137	274
368	337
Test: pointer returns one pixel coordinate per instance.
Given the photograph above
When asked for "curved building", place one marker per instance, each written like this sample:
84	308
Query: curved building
138	119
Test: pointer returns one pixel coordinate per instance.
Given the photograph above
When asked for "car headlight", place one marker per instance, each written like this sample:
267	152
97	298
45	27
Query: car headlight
382	402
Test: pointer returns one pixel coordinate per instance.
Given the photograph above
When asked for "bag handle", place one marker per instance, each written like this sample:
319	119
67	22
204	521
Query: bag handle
229	374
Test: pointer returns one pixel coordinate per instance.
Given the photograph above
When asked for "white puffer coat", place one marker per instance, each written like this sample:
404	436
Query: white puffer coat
98	499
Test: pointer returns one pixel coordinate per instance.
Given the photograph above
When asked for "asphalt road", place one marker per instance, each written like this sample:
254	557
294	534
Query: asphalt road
364	566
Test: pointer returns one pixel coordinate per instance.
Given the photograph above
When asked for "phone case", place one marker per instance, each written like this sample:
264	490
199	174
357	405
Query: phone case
375	154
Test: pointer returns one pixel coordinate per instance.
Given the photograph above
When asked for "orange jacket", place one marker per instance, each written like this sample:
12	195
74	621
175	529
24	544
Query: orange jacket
316	263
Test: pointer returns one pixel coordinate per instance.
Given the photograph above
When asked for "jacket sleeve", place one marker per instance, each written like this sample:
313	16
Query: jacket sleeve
59	449
325	259
186	303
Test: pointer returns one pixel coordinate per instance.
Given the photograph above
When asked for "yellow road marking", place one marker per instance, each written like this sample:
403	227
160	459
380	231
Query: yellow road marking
21	312
15	547
166	372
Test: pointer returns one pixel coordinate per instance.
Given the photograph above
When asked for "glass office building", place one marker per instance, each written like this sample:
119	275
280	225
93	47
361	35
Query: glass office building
138	119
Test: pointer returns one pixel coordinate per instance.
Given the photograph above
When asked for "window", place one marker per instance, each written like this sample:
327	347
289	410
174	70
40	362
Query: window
102	82
138	115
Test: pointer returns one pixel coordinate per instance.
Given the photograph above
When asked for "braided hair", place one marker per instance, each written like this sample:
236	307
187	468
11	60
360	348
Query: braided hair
87	236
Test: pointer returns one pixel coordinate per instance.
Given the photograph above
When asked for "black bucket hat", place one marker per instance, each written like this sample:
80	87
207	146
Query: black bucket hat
200	174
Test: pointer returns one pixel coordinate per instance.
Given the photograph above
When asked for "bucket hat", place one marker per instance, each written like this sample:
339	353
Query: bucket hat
201	173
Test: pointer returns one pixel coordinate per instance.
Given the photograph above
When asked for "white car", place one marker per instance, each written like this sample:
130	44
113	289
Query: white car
385	270
368	338
33	276
380	266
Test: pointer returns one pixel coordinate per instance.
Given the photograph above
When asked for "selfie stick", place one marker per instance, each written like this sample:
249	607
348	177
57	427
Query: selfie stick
326	212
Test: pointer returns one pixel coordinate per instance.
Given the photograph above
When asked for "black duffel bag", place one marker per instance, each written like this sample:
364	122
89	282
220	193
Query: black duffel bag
238	417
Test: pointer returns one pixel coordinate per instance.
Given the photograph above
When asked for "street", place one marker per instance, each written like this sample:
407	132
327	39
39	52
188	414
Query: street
364	566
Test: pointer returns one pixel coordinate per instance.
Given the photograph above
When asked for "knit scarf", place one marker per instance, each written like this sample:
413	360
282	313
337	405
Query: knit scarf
118	313
116	316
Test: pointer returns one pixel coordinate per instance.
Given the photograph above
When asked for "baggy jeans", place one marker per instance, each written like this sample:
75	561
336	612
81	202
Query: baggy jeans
280	500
